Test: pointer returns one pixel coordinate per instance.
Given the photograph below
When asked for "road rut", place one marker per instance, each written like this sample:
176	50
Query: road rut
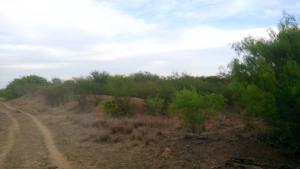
57	159
11	137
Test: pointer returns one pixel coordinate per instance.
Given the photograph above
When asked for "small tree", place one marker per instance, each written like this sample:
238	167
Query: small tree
194	108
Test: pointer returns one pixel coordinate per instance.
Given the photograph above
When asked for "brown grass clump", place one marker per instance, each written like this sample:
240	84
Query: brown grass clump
145	129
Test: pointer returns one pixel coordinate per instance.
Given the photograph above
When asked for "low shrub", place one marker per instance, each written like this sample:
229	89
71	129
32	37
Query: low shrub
56	94
214	102
154	105
118	107
194	108
188	104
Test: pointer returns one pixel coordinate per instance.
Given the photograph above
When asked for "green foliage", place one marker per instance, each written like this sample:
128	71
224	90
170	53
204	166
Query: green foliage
100	77
2	93
214	102
267	80
145	89
120	85
56	81
24	85
154	105
56	94
85	86
282	136
258	102
118	107
190	105
194	108
82	87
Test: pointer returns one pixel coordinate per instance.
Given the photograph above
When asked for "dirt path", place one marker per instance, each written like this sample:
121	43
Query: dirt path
11	137
58	161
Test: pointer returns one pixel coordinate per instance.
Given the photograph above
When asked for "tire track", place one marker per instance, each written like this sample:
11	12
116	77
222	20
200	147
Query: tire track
11	137
56	156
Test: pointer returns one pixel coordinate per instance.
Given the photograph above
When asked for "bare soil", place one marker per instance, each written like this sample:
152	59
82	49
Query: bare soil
32	147
12	132
68	137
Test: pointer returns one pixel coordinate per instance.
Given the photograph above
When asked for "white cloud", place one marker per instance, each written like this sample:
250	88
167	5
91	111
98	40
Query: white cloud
32	66
42	22
201	37
40	18
209	37
33	48
196	38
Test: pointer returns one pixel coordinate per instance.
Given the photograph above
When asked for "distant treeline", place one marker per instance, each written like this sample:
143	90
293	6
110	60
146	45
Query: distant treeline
264	82
141	85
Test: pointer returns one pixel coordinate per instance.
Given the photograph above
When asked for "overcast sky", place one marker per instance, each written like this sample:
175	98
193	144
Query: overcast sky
67	38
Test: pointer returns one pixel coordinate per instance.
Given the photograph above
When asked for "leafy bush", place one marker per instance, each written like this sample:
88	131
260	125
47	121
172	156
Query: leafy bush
121	86
258	102
56	81
24	85
214	102
85	86
154	105
194	108
56	94
2	93
145	89
190	104
118	107
268	79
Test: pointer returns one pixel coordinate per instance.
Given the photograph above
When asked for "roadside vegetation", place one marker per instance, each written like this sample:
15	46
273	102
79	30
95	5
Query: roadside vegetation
264	81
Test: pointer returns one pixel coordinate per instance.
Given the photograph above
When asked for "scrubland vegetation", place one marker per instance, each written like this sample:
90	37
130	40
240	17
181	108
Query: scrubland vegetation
264	81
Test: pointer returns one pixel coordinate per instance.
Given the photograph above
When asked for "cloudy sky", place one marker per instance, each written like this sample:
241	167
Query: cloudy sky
67	38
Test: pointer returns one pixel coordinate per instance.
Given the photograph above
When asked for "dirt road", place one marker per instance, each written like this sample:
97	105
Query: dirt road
29	143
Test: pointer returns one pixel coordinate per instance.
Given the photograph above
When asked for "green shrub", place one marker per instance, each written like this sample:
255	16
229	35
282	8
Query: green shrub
120	86
214	102
145	89
258	102
118	107
154	105
268	78
21	86
85	86
194	108
56	94
2	93
189	104
282	136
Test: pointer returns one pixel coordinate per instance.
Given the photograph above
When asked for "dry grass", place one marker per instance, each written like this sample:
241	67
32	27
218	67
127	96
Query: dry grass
143	129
